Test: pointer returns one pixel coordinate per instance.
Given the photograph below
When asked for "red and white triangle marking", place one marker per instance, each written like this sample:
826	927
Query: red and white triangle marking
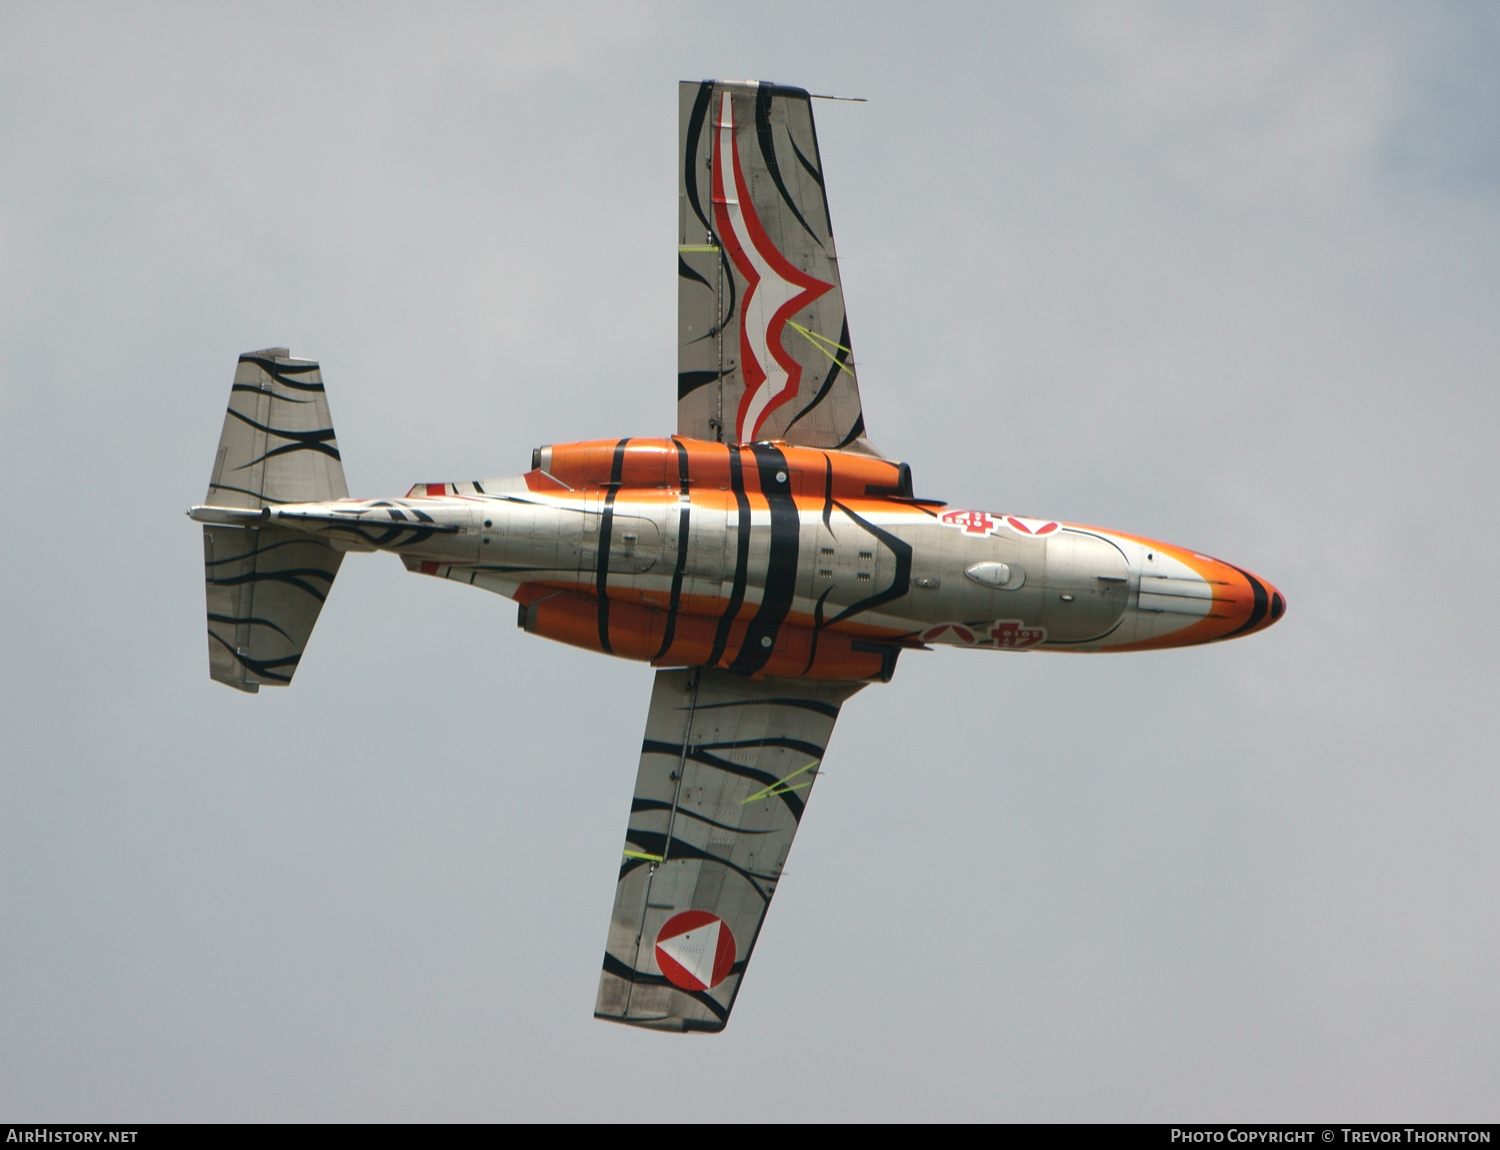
695	950
935	634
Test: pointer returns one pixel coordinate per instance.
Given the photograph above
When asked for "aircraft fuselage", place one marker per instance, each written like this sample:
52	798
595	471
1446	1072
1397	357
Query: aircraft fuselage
769	578
768	559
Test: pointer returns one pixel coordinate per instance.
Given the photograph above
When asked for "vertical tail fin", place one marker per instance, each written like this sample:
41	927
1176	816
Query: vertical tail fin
266	585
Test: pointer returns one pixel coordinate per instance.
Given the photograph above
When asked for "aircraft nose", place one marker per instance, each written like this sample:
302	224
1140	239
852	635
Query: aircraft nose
1260	604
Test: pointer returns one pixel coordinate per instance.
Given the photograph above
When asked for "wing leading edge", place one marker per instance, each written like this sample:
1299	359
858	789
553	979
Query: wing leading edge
726	769
763	342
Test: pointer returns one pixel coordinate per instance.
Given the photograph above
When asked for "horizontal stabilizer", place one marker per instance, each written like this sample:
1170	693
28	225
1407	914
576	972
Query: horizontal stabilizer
265	588
266	584
278	444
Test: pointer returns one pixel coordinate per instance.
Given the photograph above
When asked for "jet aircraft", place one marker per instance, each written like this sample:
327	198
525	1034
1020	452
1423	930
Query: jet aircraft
766	559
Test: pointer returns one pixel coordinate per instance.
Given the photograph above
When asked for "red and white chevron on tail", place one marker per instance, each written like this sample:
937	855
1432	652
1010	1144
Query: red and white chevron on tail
776	291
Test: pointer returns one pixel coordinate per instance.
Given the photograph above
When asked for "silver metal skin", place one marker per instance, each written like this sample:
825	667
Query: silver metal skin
1080	586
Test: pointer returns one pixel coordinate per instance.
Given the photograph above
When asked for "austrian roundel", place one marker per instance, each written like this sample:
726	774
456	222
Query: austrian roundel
695	950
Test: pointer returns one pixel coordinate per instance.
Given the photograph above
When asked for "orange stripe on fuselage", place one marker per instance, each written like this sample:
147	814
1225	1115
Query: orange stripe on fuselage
649	474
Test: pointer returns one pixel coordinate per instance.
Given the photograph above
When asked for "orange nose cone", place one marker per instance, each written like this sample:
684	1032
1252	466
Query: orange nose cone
1257	604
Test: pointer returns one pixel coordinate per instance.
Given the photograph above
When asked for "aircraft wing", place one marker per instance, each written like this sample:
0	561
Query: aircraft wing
763	347
726	769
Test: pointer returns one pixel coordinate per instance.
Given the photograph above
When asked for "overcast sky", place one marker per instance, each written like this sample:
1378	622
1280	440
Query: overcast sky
1221	275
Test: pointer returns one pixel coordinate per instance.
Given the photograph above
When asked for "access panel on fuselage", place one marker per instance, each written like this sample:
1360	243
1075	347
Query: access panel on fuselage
941	593
1087	584
845	565
634	544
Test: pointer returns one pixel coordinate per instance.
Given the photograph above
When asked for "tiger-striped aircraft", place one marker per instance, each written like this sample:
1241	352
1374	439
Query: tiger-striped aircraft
766	559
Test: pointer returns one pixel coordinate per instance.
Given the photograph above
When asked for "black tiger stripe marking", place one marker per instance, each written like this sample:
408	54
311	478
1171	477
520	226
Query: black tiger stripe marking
419	535
657	843
812	647
690	184
812	171
785	742
741	557
265	501
298	542
292	575
280	371
683	527
261	667
781	567
900	584
854	433
835	369
263	391
829	709
606	525
249	621
690	157
698	755
690	381
319	439
638	806
812	650
1258	608
767	140
687	273
827	493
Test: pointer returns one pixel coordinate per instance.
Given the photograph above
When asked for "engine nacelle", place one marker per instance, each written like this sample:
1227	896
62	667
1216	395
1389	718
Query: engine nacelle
676	463
651	635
